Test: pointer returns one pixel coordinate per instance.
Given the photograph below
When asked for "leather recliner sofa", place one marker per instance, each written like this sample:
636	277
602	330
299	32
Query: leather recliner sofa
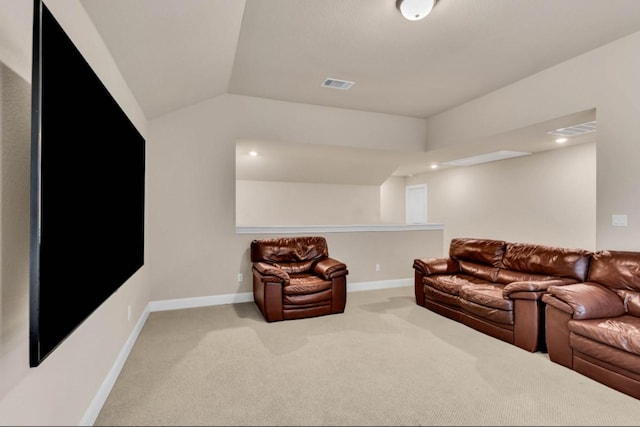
496	287
294	277
594	327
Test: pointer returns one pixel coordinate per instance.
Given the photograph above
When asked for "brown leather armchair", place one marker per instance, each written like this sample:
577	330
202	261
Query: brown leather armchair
594	327
294	278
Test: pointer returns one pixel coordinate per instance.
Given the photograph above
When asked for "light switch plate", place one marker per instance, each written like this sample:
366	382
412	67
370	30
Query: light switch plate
619	220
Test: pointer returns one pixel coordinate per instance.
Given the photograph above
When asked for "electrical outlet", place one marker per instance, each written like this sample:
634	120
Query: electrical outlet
240	277
377	267
619	220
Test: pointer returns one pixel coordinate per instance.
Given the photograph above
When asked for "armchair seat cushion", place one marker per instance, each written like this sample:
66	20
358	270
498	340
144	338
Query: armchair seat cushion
621	332
305	284
307	300
613	359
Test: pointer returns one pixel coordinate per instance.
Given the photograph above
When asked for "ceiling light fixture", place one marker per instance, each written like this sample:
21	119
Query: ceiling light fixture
253	153
561	140
414	10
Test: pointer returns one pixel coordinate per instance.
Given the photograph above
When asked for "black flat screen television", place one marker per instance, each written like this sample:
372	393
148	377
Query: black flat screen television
87	190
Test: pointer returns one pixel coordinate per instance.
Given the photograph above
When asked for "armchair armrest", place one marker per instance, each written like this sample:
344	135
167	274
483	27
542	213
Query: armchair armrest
532	289
587	300
270	273
330	268
429	266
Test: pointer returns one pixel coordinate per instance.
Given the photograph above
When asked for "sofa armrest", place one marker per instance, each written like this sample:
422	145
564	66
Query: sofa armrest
587	300
429	266
270	273
532	289
330	268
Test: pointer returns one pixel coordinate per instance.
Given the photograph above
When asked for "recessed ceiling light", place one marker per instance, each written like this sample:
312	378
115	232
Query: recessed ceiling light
253	153
434	166
561	140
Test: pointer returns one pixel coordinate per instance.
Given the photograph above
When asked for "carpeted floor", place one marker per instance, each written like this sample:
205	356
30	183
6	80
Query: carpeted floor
385	361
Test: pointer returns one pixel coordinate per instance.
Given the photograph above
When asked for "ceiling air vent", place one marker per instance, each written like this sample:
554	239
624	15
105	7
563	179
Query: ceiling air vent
337	84
575	130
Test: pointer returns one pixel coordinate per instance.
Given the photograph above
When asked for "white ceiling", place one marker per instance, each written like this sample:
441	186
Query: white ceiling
174	53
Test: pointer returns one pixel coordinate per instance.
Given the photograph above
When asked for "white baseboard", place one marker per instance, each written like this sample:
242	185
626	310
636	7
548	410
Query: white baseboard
179	303
379	284
102	394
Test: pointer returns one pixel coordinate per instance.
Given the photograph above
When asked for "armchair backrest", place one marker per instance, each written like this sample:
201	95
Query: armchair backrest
292	254
620	272
617	270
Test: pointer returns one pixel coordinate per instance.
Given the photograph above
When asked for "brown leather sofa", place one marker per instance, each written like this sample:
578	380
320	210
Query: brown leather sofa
594	327
294	277
496	287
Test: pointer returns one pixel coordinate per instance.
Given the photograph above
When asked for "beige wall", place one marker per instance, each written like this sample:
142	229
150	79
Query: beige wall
262	203
59	391
194	248
606	79
394	251
268	203
392	200
546	198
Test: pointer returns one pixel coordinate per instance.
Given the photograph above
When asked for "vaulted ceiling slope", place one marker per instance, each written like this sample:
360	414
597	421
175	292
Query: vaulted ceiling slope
174	53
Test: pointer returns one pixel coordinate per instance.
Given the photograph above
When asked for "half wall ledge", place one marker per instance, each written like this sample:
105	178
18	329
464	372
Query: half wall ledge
314	229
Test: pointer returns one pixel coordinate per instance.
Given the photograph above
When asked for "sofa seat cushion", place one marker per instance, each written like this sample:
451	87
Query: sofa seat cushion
492	314
488	294
431	293
451	284
621	332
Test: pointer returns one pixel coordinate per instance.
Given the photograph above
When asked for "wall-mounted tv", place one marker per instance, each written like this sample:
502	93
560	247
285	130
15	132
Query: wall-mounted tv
87	190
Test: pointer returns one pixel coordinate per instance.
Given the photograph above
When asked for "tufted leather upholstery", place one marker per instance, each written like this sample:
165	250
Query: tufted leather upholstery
496	286
594	327
294	277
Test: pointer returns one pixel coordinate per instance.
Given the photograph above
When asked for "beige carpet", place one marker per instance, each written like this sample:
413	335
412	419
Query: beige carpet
385	361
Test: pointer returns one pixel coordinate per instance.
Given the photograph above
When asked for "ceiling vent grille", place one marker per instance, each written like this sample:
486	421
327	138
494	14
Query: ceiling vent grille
337	84
575	130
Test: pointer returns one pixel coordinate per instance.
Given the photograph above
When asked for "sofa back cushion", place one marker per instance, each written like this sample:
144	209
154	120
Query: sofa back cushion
616	270
509	276
481	271
291	251
631	300
481	251
547	260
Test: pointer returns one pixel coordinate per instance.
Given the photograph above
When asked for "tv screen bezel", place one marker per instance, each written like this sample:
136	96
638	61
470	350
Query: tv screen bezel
40	317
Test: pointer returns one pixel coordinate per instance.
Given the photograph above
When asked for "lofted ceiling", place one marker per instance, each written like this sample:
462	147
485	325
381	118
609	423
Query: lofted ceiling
175	53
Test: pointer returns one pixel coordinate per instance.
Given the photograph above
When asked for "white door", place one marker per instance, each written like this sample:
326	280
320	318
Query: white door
416	204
